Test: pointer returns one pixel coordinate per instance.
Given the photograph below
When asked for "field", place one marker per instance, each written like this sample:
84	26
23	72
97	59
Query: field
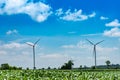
58	75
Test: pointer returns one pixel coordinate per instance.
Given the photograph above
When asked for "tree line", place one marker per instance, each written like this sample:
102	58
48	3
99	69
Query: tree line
6	66
68	65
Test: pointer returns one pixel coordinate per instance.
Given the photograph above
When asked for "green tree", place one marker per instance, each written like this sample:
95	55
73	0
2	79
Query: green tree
108	63
80	67
27	68
49	67
14	68
5	66
68	65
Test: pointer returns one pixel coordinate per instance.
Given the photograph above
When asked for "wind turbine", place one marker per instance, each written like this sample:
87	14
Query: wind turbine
33	45
94	49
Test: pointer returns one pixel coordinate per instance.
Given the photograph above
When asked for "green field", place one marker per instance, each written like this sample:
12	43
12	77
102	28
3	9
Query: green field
58	75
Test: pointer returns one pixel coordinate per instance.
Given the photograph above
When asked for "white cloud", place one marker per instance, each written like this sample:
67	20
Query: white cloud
53	56
108	50
3	53
81	44
103	18
114	32
37	11
77	15
114	23
14	45
52	60
97	34
68	46
59	12
9	32
92	15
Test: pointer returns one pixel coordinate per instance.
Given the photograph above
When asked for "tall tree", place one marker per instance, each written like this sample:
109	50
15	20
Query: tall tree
108	63
68	65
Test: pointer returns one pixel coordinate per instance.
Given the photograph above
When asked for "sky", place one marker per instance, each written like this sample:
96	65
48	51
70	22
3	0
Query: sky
62	27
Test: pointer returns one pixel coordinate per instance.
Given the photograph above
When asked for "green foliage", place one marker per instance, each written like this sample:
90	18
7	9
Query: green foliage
93	67
58	75
107	63
48	68
80	67
68	65
6	66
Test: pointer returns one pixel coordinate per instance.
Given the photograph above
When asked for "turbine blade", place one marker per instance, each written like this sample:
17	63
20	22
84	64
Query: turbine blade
36	42
90	42
99	42
29	43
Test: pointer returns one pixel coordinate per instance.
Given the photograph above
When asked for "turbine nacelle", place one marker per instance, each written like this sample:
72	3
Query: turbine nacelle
32	44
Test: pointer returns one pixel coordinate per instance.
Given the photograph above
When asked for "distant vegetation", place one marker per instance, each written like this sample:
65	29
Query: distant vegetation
68	65
6	66
65	66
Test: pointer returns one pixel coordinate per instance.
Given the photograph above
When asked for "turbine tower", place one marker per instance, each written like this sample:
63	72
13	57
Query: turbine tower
33	45
94	49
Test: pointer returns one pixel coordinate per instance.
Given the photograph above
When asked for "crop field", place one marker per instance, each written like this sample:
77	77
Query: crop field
58	75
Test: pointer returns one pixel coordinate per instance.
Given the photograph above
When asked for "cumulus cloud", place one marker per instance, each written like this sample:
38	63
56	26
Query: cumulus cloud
114	23
114	32
76	15
37	11
10	32
103	18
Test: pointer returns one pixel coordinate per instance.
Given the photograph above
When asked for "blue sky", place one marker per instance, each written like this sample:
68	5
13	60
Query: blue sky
63	27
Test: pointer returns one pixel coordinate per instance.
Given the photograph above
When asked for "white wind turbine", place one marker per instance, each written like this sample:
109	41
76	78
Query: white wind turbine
33	45
94	49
